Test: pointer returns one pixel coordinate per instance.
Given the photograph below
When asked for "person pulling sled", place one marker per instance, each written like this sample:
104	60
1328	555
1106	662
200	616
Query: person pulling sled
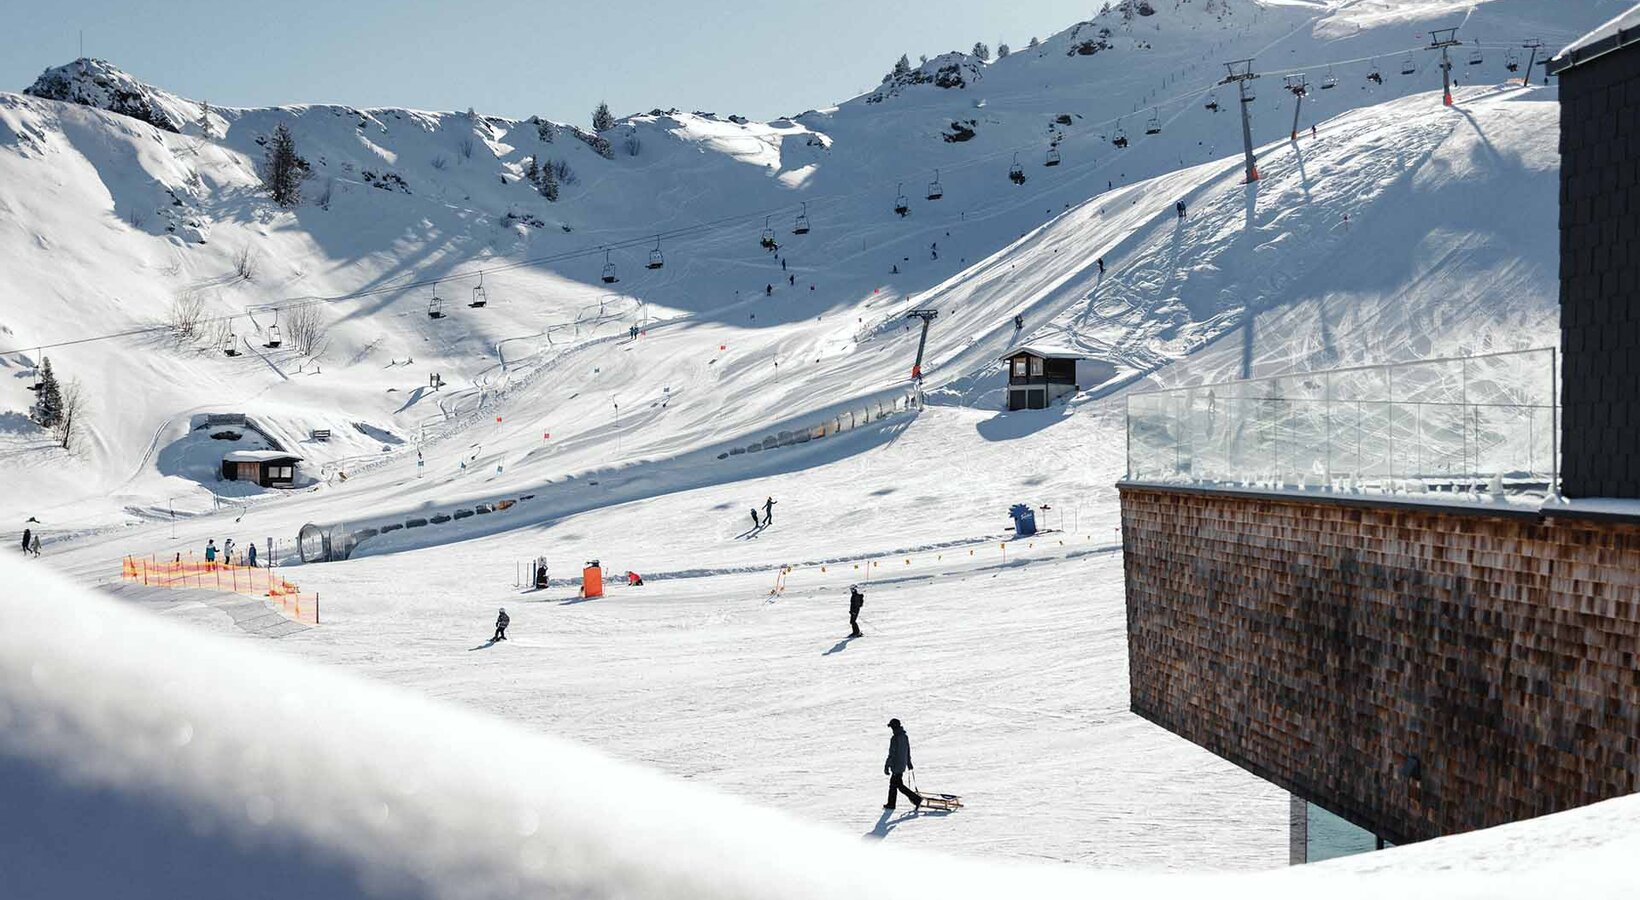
897	764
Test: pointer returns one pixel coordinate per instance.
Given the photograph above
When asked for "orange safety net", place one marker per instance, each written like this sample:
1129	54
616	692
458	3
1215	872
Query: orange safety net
255	581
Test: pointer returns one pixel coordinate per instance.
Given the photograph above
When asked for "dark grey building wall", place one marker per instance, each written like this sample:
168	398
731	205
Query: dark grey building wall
1600	275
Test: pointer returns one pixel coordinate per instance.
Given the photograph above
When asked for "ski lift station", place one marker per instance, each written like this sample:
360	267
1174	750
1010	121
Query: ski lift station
268	468
1039	375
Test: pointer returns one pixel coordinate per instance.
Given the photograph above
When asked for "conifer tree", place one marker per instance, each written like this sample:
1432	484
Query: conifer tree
48	401
1035	43
205	127
549	182
532	173
283	169
981	52
602	118
902	67
1003	51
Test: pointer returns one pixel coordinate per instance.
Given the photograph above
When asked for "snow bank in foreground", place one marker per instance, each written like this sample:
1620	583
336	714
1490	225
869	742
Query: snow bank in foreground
142	759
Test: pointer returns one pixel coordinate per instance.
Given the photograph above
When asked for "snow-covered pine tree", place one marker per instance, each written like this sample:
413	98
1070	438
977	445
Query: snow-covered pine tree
48	401
205	119
549	182
1035	43
981	52
1003	51
532	172
602	118
902	67
283	169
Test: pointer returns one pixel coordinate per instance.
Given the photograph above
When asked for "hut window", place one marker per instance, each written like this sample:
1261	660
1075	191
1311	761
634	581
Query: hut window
1036	365
1019	367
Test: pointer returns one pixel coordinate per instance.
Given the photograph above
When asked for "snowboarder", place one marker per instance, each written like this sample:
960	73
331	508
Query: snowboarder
501	621
895	269
755	521
540	574
1179	208
897	764
1019	323
250	555
210	550
855	601
768	512
27	533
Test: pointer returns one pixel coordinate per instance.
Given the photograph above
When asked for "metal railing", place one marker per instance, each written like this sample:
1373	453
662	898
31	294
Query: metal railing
1475	425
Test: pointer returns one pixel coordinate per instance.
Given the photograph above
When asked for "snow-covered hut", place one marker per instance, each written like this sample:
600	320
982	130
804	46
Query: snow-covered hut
268	468
1038	375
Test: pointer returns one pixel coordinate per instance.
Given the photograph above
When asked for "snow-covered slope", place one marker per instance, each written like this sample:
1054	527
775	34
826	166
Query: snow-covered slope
105	209
143	759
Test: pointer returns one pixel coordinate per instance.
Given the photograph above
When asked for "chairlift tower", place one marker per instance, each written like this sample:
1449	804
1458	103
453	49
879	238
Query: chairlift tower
1533	45
927	316
1441	39
1241	72
1299	85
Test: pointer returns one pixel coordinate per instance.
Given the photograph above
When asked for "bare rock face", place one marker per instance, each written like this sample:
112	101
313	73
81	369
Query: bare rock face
98	84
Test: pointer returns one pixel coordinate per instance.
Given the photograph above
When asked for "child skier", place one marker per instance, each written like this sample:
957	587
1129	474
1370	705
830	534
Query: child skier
501	622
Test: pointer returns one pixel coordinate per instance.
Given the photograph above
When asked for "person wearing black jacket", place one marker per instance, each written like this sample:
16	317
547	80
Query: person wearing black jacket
855	601
501	622
897	764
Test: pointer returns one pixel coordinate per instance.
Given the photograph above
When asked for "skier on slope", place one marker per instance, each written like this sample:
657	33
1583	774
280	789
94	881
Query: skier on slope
897	764
250	555
227	551
1101	266
1019	323
1179	208
768	290
27	533
210	550
755	521
855	601
34	544
501	622
540	573
791	280
768	512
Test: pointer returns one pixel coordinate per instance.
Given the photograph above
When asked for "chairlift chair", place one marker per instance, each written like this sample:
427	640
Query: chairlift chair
935	191
1212	104
1120	137
767	242
274	338
609	270
1154	126
1053	157
1375	76
1476	58
1016	172
1331	81
802	224
901	205
1511	61
1409	66
435	306
656	259
230	344
480	296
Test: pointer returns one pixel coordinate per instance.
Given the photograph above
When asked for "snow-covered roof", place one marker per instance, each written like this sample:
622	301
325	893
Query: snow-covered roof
1045	351
259	456
1619	32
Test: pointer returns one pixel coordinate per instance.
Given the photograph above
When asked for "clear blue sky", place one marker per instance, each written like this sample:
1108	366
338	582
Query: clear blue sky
556	58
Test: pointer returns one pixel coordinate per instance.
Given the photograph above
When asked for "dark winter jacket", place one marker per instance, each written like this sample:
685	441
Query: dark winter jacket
899	753
27	533
855	601
502	620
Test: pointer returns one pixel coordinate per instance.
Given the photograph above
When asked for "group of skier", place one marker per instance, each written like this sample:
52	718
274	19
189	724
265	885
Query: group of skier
225	554
768	515
31	542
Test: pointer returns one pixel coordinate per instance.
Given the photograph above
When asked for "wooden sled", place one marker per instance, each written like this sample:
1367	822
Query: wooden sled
941	802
